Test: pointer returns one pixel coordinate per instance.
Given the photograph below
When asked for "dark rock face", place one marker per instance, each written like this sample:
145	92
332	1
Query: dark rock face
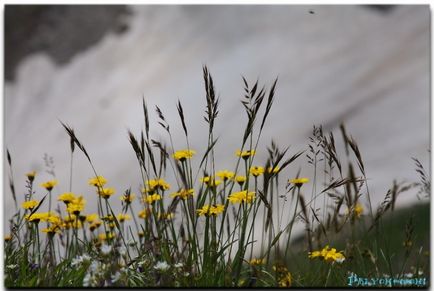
59	30
381	8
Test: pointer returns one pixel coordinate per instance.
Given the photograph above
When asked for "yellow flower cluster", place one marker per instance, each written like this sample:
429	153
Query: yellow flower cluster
183	193
99	182
328	254
211	210
55	222
183	155
284	277
285	280
43	216
76	205
242	196
72	221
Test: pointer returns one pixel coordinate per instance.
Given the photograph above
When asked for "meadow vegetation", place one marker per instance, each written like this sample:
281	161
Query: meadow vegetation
213	227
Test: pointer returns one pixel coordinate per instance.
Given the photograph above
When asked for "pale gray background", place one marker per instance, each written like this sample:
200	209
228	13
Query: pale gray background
365	67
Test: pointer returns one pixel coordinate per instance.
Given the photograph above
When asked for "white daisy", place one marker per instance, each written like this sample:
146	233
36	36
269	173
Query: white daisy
161	266
106	249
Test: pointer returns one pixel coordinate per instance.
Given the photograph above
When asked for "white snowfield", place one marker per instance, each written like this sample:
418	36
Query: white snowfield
347	64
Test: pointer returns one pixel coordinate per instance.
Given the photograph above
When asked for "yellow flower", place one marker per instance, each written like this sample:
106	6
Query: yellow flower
240	179
158	184
92	217
279	268
407	244
40	216
256	262
315	254
73	223
94	225
274	170
144	213
242	196
152	198
166	216
286	280
211	210
183	155
333	256
70	218
53	218
122	217
76	205
29	204
183	194
299	181
35	217
328	254
256	171
49	185
218	208
245	154
358	210
108	218
210	181
106	236
66	197
52	229
128	198
97	181
106	192
31	175
225	175
146	190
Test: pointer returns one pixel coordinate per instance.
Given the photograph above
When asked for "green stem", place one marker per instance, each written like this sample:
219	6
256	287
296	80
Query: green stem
328	275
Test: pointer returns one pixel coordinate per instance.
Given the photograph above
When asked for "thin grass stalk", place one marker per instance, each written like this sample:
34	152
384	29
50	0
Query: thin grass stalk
293	220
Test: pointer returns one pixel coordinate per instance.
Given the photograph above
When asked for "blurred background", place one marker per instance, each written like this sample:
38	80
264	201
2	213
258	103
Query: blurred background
90	67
